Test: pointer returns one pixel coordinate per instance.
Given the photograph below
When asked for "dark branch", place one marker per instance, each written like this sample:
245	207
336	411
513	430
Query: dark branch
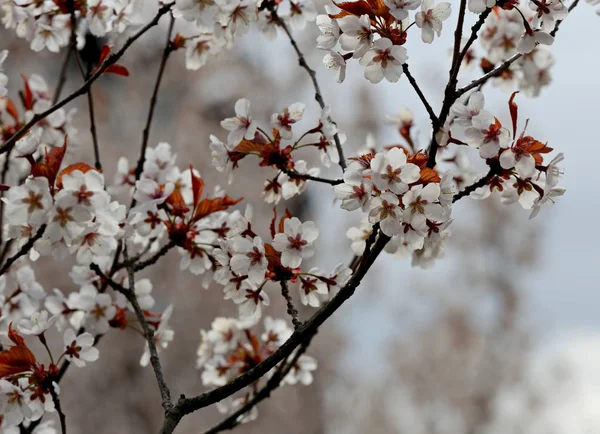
291	310
23	250
296	175
61	415
417	89
109	61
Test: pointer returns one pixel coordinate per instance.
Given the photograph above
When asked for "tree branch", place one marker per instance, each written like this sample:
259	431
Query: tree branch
109	61
23	250
188	405
61	415
291	310
293	174
313	78
417	89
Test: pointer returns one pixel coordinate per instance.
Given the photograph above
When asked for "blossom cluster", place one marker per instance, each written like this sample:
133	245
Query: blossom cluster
246	138
516	161
229	349
49	24
373	33
216	23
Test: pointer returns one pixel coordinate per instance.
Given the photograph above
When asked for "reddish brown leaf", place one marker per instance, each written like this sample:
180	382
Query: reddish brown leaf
176	203
16	359
246	146
12	110
272	224
209	206
357	8
117	70
105	52
514	112
288	215
27	94
429	175
197	187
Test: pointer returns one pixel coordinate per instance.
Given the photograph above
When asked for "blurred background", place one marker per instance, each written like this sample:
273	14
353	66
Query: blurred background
500	336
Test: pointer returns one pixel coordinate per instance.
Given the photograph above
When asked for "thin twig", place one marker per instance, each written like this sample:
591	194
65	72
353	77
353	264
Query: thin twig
109	61
23	250
61	415
62	76
293	174
494	72
417	89
153	259
291	310
471	188
146	134
313	78
129	293
456	55
274	382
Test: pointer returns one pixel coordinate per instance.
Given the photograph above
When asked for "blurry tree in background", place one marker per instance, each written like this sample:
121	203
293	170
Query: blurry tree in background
118	244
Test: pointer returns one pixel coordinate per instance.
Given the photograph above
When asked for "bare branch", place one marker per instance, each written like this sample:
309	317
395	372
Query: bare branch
296	175
417	89
109	61
313	77
23	250
291	310
61	415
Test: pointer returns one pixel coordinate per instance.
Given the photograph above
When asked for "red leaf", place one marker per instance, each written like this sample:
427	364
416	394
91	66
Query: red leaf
357	8
50	167
105	52
27	95
177	205
429	175
209	206
514	112
16	359
197	187
12	110
117	70
288	215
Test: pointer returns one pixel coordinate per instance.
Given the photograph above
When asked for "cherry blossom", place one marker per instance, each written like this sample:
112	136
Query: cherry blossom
285	120
478	6
391	171
79	349
399	8
430	19
355	192
14	404
384	60
385	210
357	35
420	205
487	134
295	243
334	61
330	32
463	114
163	336
28	203
242	126
531	38
28	144
548	12
250	258
38	324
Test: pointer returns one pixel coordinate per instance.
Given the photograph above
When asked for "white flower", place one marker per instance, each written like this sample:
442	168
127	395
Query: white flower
384	60
79	349
548	12
250	302
29	143
523	163
285	120
386	211
463	114
355	192
277	331
242	126
391	171
358	236
357	35
302	11
310	289
99	308
203	12
197	52
38	323
100	16
14	404
478	6
330	32
84	189
487	134
335	61
399	8
250	258
52	35
66	221
530	38
429	20
28	203
302	371
295	243
149	194
419	205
